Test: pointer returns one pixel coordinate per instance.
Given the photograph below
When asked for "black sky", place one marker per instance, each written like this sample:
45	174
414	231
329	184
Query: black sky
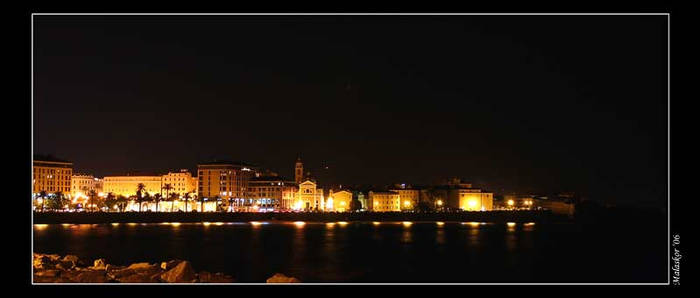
511	103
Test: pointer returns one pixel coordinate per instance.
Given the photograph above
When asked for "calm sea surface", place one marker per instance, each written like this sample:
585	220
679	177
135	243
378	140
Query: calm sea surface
378	252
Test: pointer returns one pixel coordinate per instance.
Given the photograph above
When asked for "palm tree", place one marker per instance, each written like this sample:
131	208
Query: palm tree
58	200
92	195
139	189
146	198
110	201
435	196
84	190
201	202
187	197
156	198
42	195
173	197
218	203
121	202
168	187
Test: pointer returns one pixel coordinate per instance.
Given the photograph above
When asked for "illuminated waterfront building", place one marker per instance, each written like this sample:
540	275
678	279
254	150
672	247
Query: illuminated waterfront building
81	185
51	175
457	195
181	182
309	197
384	201
472	199
270	193
338	201
127	185
409	196
517	201
227	181
289	195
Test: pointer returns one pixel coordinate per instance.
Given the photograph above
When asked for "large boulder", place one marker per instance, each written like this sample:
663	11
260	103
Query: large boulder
281	278
169	264
99	264
141	266
207	277
110	267
182	273
65	265
44	262
71	258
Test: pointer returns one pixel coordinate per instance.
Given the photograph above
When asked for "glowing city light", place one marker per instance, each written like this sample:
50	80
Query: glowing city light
206	223
376	223
407	223
510	203
255	223
511	224
342	223
439	202
299	223
440	224
330	224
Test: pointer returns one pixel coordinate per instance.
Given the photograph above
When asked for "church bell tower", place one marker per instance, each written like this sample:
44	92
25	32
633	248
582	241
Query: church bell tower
298	171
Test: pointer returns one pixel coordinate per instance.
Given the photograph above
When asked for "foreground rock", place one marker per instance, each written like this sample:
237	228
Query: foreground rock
181	273
281	278
70	269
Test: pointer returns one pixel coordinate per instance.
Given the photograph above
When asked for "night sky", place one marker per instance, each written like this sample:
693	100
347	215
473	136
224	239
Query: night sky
510	103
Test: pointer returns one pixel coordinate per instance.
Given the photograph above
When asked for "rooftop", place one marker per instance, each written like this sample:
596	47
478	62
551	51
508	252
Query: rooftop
268	178
226	162
49	157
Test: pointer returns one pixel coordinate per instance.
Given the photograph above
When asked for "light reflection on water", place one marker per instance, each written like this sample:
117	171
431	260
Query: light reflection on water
366	251
314	250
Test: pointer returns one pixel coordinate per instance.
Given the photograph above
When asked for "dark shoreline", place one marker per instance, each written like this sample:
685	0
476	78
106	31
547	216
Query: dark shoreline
152	217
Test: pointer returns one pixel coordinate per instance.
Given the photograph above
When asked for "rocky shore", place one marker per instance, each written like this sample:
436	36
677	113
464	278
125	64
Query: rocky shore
52	268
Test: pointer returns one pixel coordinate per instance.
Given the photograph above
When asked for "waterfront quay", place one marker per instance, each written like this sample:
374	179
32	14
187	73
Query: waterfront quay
191	217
